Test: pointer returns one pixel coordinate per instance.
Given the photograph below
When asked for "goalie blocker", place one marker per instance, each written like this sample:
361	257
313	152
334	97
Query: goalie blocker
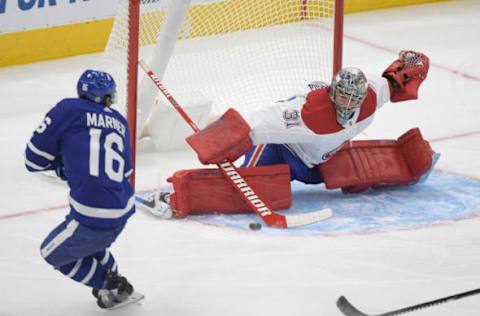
360	165
202	191
233	143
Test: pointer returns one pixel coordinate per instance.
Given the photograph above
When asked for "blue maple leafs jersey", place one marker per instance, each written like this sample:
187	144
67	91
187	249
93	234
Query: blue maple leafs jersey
92	143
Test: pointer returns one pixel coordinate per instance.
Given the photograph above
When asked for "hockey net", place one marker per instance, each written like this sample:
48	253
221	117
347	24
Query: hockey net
237	53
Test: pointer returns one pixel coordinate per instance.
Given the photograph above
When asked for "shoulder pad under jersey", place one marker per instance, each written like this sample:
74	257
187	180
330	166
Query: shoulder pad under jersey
314	85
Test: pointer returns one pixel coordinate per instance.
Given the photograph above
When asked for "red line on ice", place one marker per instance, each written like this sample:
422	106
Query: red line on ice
34	211
42	210
440	139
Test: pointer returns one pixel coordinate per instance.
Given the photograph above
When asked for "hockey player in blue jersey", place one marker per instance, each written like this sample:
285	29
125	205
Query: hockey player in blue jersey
87	143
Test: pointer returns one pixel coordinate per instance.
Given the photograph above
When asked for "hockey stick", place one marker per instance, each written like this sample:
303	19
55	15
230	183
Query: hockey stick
348	309
231	173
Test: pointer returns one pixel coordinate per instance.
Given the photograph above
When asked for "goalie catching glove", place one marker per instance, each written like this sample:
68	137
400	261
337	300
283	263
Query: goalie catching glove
406	74
225	139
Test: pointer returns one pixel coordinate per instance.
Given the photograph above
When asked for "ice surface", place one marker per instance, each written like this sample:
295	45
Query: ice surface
383	250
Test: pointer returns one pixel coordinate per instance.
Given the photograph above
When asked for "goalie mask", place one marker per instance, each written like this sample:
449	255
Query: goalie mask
348	91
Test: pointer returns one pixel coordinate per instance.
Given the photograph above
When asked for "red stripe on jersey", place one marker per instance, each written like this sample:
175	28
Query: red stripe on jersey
256	155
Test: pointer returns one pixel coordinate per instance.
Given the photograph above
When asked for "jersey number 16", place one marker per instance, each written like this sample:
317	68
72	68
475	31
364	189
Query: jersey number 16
110	154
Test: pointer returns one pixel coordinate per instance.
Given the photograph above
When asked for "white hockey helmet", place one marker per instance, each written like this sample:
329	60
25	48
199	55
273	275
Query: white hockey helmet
348	91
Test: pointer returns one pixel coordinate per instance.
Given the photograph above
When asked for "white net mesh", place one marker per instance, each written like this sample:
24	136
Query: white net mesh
238	53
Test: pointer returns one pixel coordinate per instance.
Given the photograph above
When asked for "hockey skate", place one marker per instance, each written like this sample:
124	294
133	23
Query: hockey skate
119	292
157	203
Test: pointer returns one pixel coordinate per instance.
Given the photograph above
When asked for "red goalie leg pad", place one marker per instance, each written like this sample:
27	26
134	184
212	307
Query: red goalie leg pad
204	191
225	139
378	163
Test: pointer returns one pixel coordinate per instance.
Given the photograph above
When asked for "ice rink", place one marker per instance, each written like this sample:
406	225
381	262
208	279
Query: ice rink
213	266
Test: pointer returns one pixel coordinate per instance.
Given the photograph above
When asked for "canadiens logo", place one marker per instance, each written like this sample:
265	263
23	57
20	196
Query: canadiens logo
291	118
330	154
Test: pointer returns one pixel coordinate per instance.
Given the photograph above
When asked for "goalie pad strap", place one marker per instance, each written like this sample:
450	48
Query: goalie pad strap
225	139
377	163
204	191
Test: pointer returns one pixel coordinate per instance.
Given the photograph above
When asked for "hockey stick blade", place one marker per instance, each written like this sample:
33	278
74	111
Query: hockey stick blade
348	309
308	218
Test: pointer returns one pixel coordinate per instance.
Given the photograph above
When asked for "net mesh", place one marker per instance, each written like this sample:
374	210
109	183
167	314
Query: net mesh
237	53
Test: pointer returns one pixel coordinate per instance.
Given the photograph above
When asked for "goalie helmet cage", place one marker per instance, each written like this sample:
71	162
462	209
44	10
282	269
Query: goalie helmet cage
237	53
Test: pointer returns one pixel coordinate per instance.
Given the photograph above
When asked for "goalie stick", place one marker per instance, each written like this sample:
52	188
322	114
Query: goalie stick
231	173
348	309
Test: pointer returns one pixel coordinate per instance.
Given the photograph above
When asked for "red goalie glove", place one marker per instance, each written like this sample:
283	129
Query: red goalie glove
406	74
225	139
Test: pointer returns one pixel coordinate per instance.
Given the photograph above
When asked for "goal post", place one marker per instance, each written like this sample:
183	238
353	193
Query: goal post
338	35
215	54
132	78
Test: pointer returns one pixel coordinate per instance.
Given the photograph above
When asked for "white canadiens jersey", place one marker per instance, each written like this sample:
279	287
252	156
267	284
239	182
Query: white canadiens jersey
306	123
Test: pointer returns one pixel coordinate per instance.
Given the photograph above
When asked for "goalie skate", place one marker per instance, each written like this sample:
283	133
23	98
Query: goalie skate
157	203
